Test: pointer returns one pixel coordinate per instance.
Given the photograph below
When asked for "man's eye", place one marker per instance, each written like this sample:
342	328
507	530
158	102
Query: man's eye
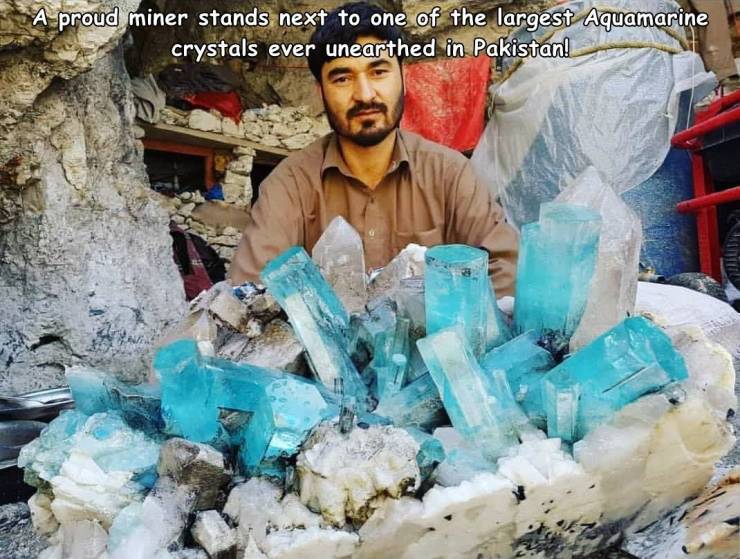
341	79
380	72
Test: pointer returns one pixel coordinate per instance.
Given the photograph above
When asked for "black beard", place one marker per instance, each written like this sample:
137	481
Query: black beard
371	137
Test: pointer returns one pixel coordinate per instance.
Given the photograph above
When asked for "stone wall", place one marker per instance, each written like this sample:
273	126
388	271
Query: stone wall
291	128
223	238
86	268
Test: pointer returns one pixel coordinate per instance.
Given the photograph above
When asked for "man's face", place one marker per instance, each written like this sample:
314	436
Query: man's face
363	97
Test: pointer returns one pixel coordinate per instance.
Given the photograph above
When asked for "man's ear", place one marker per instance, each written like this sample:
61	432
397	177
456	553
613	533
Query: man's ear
320	90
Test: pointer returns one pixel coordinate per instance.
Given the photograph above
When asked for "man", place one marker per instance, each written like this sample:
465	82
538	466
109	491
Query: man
394	187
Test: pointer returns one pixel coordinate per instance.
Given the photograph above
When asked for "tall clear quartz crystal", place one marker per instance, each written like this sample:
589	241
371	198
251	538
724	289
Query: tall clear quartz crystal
406	264
557	257
318	318
340	256
614	287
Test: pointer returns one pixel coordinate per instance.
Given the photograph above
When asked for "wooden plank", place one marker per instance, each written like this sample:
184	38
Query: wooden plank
171	133
187	149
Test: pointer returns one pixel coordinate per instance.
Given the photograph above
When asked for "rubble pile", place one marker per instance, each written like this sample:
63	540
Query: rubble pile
291	128
427	422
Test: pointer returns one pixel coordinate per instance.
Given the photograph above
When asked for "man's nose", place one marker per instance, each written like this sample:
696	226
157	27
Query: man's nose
364	91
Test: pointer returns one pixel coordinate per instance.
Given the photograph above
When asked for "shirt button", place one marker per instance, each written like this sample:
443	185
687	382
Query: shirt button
371	233
372	199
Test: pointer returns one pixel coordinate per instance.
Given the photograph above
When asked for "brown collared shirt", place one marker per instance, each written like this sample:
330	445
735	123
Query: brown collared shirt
429	196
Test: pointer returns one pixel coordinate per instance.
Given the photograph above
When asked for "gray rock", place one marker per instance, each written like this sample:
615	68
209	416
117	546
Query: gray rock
197	466
231	345
228	308
203	120
33	56
253	328
263	305
87	274
186	209
276	348
17	537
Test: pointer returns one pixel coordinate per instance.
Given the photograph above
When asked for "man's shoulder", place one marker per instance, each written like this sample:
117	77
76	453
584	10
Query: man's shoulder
307	160
421	151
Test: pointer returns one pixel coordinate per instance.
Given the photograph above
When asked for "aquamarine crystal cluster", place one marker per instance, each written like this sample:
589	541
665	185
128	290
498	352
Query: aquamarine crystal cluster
282	408
557	259
426	352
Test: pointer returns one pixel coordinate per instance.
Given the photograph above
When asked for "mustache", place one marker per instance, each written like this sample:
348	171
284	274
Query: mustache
360	107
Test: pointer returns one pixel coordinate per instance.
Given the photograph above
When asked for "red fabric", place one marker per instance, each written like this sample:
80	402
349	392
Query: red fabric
195	276
229	104
446	100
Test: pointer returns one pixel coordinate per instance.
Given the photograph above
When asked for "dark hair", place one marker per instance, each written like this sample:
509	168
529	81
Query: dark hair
333	32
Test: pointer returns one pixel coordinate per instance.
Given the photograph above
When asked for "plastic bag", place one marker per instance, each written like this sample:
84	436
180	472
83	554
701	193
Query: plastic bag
614	109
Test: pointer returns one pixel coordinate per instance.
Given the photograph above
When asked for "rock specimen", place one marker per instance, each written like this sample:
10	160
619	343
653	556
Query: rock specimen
313	542
704	528
281	526
146	529
653	454
642	409
211	532
85	539
205	120
83	490
196	466
340	256
100	442
20	536
346	477
277	347
258	507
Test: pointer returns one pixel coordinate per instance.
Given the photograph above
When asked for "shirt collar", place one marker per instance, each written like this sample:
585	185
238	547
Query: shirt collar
333	157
